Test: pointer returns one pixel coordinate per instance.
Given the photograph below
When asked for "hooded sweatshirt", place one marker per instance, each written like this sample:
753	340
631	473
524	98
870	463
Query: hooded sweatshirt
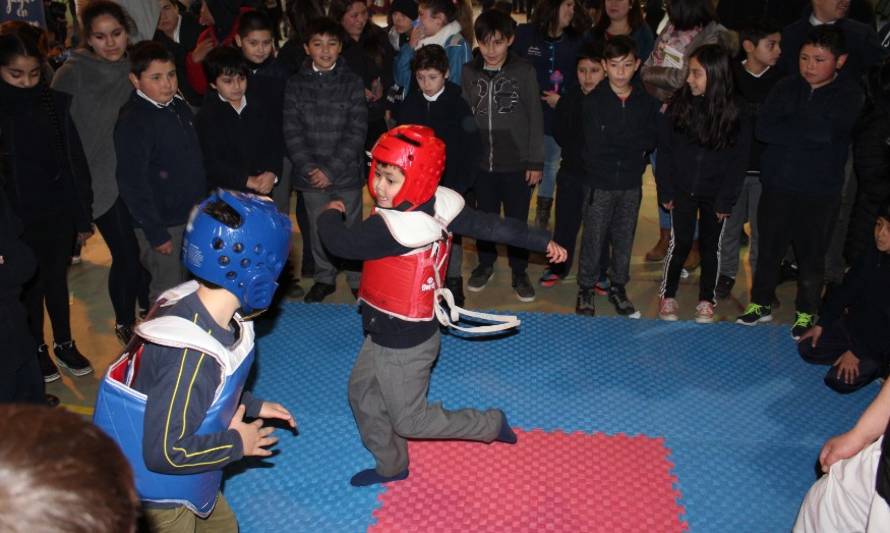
98	88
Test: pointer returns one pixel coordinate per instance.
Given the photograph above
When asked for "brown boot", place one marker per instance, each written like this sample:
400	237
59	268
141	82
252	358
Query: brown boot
660	249
694	257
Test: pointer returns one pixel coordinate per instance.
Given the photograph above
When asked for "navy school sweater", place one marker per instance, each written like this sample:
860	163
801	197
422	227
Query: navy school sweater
752	91
160	171
568	131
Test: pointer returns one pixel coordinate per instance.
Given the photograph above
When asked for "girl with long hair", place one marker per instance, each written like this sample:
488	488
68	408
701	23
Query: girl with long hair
703	148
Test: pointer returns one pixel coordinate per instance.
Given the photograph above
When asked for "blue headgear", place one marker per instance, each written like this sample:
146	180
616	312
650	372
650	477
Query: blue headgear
245	259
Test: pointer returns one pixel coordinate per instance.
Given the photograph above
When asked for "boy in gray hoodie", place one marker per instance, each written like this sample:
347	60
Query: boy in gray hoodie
503	93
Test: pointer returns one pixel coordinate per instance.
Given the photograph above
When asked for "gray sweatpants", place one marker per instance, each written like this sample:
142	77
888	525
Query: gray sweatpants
745	210
325	270
387	393
166	270
610	214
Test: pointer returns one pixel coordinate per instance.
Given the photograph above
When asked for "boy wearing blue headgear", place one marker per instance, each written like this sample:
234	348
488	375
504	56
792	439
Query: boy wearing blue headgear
174	401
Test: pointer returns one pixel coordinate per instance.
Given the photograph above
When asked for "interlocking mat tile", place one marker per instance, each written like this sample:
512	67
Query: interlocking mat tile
742	416
546	482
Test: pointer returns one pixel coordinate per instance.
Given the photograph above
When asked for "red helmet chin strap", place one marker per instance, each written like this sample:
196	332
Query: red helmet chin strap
419	154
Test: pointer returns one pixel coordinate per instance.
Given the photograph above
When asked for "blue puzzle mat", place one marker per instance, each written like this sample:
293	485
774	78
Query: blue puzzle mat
743	416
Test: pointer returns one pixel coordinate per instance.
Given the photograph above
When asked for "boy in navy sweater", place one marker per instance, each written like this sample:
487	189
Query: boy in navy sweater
754	77
243	149
159	168
619	130
439	105
806	123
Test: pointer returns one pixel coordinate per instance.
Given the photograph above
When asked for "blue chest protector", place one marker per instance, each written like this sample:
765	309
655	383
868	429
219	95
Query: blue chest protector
120	410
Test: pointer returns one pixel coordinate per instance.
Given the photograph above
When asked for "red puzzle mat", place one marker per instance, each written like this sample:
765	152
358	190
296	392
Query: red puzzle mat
546	482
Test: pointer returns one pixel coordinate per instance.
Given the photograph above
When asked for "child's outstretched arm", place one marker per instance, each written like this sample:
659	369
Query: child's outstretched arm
369	239
491	227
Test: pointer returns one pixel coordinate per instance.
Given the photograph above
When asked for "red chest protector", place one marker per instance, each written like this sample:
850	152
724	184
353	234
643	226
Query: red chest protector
407	286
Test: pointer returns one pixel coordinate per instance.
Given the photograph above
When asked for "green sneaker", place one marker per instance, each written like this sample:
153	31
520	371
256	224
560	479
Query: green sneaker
802	323
754	314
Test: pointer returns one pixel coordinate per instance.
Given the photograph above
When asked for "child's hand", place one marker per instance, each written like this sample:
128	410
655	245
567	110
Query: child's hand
814	333
335	204
318	179
254	437
276	410
416	36
722	216
261	183
83	236
165	249
551	97
202	49
533	177
847	367
840	447
556	253
668	205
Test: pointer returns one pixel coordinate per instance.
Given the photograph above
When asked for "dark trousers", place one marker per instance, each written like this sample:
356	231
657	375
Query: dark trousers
569	209
510	191
20	377
127	279
307	265
835	340
51	239
687	211
806	222
609	216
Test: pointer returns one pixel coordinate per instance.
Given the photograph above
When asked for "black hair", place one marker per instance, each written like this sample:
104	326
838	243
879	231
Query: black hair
758	29
884	210
323	26
711	120
431	56
96	8
459	10
223	213
592	51
374	42
827	37
491	22
620	46
254	21
338	9
690	14
224	61
546	18
144	53
635	17
299	13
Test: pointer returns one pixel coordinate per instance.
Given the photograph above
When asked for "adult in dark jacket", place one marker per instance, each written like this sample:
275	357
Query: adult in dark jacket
550	42
368	53
736	15
853	332
625	18
178	32
48	186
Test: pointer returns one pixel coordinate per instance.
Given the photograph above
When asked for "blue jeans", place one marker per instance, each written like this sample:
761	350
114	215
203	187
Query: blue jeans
552	158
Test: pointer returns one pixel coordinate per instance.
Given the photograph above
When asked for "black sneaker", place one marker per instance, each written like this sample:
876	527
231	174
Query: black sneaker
584	305
479	278
724	287
71	360
788	271
623	306
456	286
47	367
319	292
294	291
754	314
803	322
522	286
123	333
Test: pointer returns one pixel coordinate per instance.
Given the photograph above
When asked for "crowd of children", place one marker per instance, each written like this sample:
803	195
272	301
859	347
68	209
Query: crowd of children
753	127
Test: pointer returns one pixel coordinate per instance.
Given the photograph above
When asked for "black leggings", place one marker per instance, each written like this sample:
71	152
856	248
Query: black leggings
20	378
51	238
127	278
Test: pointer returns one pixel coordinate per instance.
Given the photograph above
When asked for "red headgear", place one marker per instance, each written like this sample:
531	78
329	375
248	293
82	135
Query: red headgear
421	156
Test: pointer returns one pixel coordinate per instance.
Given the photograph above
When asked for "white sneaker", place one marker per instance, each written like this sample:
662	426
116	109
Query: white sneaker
704	312
668	309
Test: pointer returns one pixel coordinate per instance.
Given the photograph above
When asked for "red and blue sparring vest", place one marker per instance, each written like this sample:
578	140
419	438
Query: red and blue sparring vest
410	286
120	410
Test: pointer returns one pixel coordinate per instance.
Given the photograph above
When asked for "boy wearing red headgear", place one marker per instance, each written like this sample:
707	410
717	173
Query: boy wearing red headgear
404	245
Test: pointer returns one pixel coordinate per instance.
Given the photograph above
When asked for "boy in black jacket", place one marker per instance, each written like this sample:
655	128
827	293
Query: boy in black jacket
754	77
806	123
243	150
404	246
439	105
619	129
568	129
853	333
159	168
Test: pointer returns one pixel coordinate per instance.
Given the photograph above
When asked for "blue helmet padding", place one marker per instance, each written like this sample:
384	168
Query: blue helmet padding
245	260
